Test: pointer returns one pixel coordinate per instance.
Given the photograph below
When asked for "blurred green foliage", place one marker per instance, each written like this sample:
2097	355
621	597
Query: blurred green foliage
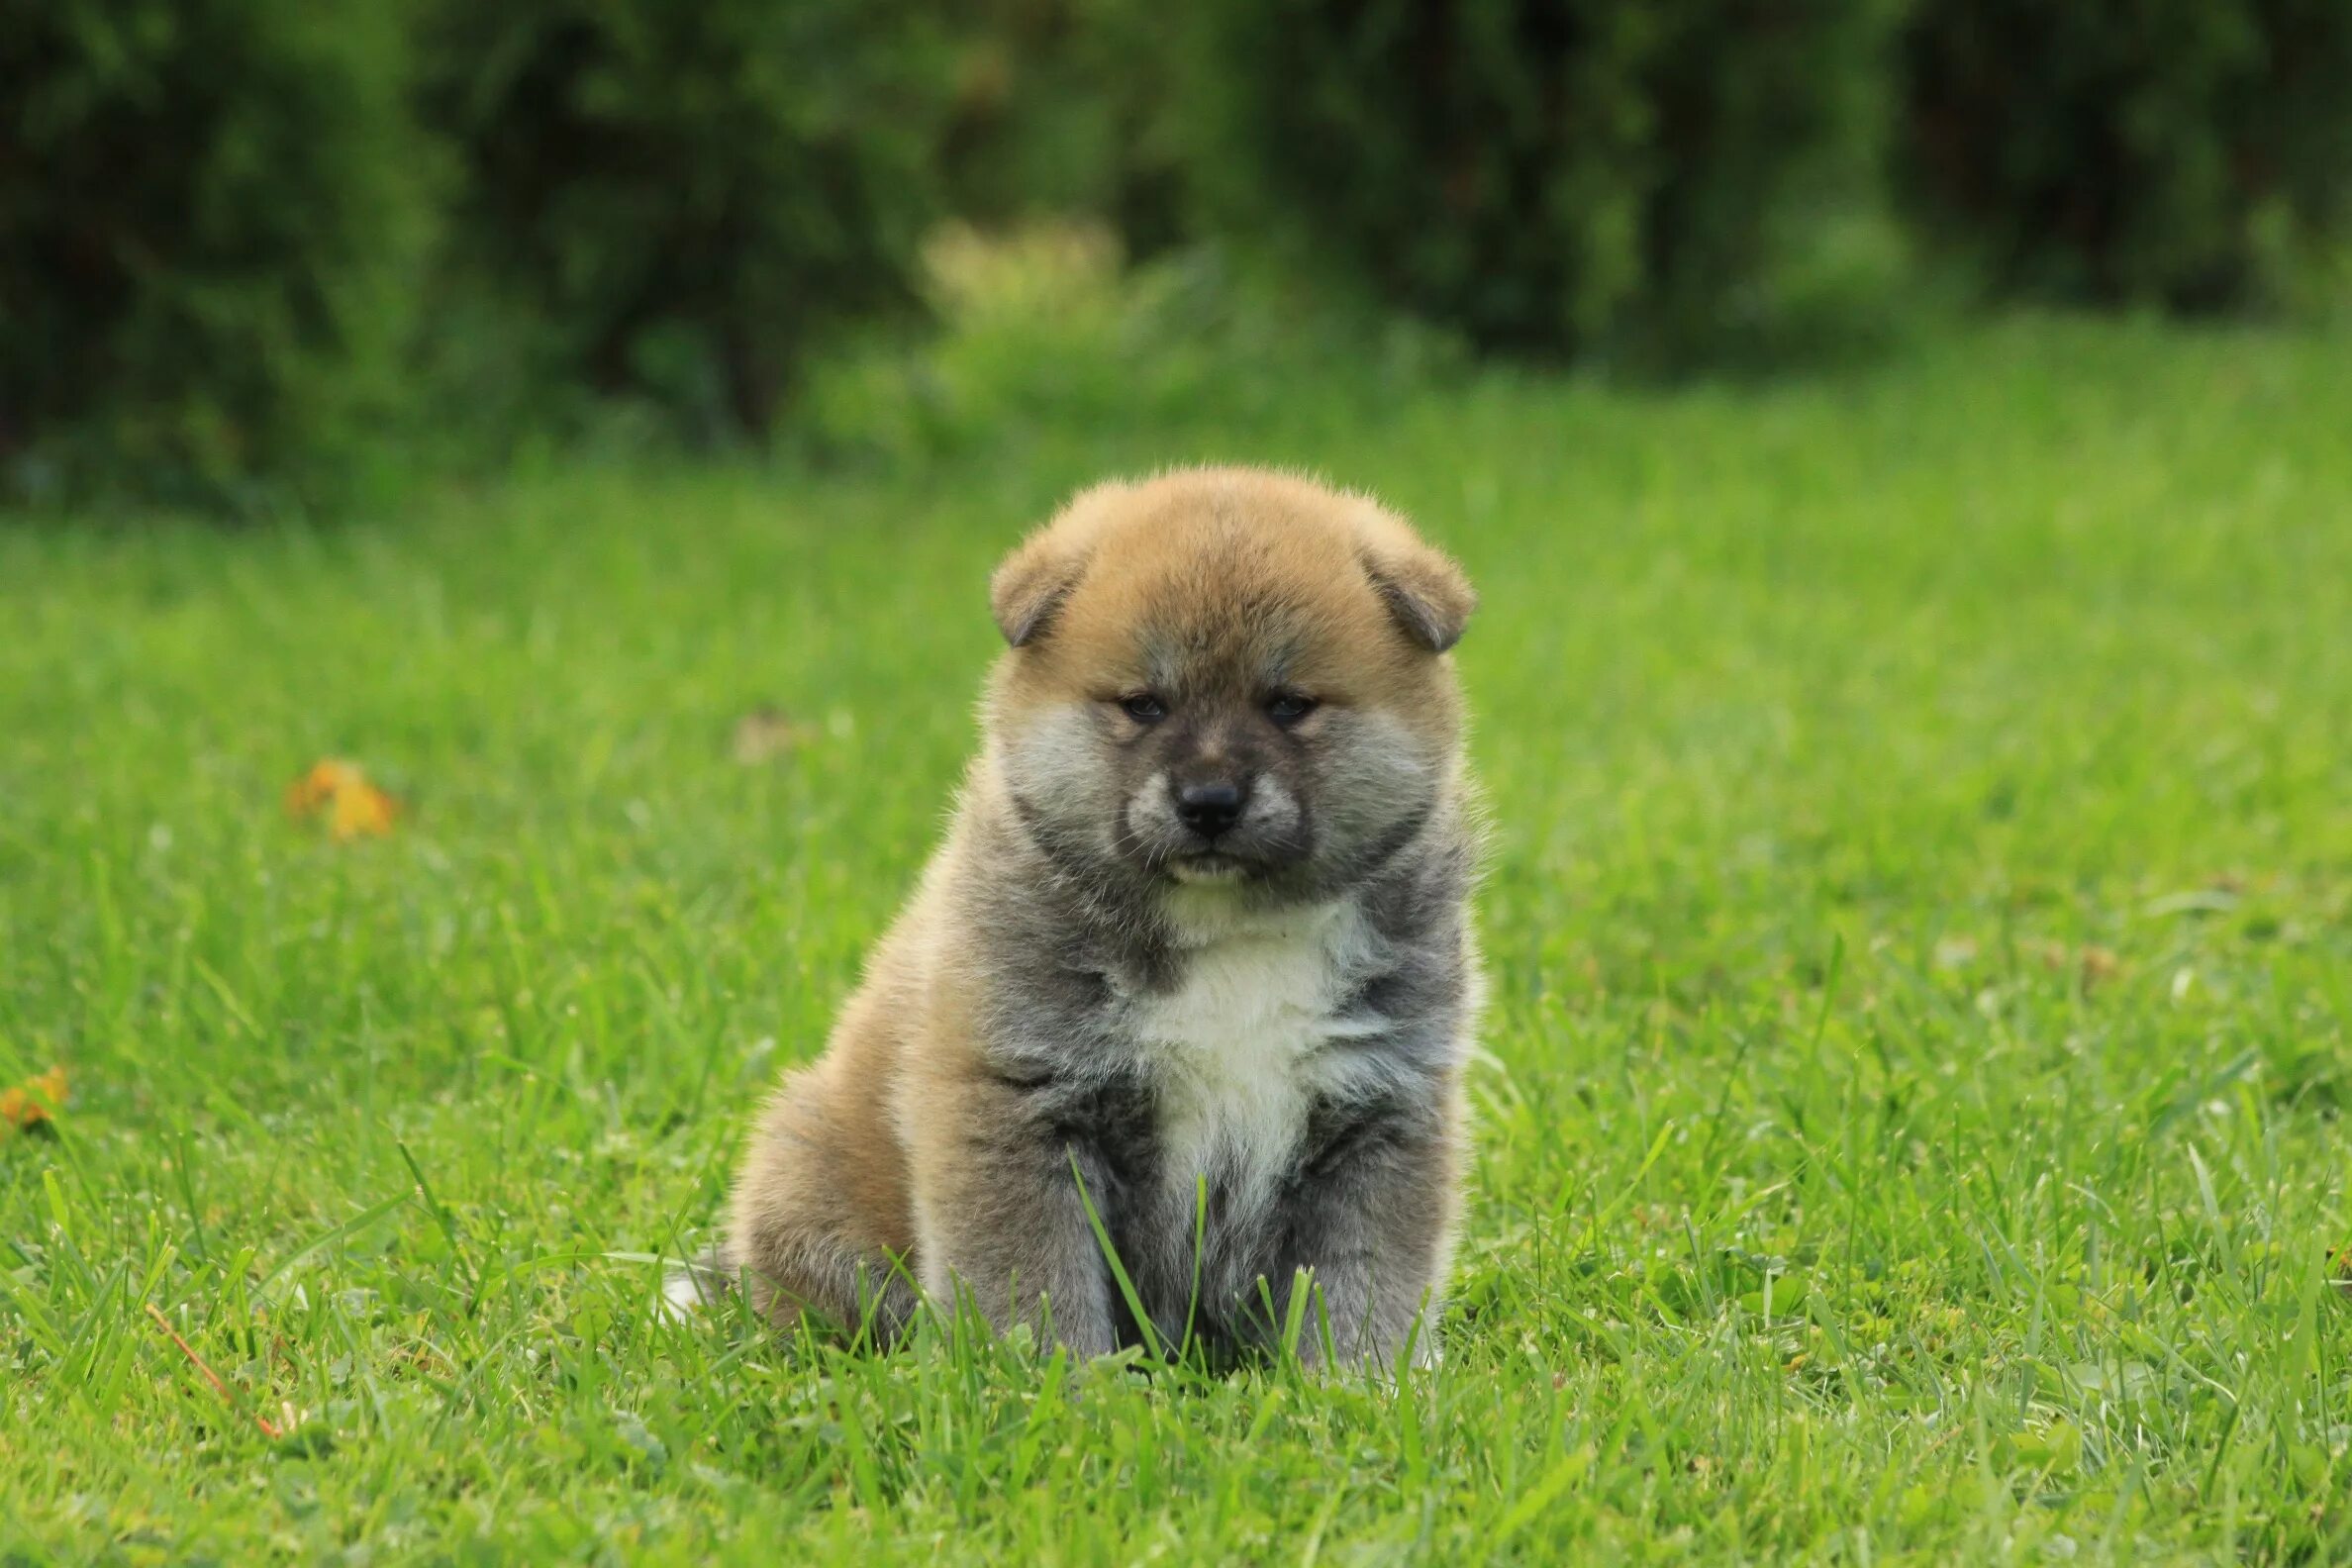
2189	153
1068	106
210	212
1050	329
675	201
251	250
1636	176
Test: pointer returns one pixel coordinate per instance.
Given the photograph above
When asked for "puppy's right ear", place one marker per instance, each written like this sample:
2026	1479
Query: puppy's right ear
1035	580
1030	586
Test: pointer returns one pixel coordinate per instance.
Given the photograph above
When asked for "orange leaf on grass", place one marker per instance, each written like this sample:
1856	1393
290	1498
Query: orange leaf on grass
765	733
339	791
33	1102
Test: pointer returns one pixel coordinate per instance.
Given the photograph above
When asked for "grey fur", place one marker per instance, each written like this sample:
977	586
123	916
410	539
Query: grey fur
1047	1028
1366	1203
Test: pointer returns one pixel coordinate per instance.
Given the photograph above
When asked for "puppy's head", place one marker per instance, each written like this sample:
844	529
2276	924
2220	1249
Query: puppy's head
1226	676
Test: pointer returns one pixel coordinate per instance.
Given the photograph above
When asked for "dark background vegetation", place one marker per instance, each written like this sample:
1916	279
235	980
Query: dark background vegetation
253	252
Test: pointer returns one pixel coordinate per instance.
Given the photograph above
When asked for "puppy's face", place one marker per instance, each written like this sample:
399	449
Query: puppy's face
1226	677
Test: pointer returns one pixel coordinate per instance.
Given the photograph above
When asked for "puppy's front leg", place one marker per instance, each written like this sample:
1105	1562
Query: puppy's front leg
1371	1221
1001	1219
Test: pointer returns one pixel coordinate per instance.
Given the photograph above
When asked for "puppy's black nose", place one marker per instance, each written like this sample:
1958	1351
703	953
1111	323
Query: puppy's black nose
1209	809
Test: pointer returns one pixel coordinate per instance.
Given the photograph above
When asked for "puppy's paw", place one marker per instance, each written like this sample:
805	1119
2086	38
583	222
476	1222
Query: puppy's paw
695	1286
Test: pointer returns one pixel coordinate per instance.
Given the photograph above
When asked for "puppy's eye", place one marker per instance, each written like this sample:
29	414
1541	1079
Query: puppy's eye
1143	708
1288	707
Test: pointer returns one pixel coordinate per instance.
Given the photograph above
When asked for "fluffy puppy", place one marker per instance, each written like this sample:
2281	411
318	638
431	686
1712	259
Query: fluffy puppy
1195	951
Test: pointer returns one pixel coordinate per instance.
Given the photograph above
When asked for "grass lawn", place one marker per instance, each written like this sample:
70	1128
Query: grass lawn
1921	914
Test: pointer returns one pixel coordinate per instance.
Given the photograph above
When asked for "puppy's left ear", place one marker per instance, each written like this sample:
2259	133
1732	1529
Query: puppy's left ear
1423	589
1030	586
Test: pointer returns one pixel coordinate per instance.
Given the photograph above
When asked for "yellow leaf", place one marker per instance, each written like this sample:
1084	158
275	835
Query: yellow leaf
32	1101
319	786
353	807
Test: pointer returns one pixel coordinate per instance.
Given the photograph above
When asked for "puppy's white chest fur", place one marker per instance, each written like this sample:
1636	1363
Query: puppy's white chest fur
1237	1052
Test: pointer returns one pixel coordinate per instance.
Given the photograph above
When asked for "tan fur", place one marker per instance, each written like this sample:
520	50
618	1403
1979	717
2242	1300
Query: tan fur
1121	539
883	1149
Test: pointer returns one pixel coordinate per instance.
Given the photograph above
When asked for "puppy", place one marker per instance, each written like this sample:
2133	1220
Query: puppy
1195	956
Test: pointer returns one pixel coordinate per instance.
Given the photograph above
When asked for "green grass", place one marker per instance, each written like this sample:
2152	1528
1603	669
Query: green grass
1920	916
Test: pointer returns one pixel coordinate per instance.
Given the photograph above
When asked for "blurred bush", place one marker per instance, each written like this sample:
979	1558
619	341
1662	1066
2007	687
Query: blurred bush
1044	327
2190	154
211	213
1638	177
1065	108
675	201
251	250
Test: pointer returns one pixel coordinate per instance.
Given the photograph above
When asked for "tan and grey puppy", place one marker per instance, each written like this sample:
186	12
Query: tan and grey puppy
1199	924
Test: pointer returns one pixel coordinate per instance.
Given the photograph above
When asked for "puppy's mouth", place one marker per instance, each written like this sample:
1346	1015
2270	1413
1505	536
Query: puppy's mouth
1208	866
